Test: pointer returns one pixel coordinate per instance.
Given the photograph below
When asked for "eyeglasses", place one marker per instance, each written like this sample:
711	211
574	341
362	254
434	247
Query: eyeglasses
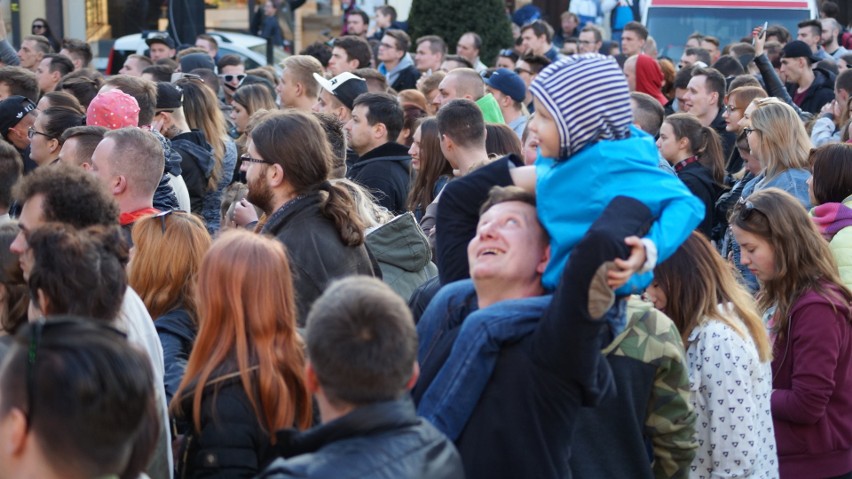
31	132
387	45
246	157
162	215
521	70
748	131
230	78
731	108
36	332
585	42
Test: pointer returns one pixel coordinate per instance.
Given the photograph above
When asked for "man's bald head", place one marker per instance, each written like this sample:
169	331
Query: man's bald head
460	83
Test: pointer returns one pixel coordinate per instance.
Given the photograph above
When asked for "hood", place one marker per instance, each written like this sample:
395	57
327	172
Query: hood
814	297
649	78
400	243
490	109
171	156
588	97
392	75
194	144
823	79
830	218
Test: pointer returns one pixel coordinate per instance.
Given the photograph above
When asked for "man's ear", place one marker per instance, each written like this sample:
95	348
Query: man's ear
277	175
13	433
545	258
300	89
415	374
119	185
381	131
311	381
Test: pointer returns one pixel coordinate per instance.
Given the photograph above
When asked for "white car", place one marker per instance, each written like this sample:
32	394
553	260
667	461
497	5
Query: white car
250	48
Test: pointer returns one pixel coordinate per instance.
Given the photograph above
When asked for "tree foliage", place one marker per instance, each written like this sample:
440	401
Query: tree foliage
450	19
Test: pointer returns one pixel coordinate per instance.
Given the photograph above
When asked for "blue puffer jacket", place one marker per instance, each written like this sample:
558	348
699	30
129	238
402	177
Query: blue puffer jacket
381	440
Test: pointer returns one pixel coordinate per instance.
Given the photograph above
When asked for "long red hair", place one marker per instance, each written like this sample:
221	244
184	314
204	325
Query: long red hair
247	315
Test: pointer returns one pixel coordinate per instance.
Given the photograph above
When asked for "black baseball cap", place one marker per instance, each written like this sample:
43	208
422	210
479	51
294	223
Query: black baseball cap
12	111
164	39
798	48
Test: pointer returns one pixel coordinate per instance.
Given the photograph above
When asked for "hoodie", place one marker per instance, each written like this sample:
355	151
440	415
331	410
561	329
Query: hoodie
164	197
649	78
818	94
490	109
404	76
602	156
197	164
403	253
812	387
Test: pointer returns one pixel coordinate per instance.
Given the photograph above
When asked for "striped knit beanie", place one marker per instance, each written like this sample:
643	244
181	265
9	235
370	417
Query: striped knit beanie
588	98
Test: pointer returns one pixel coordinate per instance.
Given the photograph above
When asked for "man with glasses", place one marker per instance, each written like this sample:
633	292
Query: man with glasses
528	67
17	116
396	63
591	39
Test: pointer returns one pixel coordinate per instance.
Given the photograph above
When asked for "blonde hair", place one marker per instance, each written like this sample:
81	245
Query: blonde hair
302	68
784	142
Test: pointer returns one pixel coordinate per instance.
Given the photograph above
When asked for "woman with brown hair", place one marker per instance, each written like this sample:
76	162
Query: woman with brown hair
201	109
168	249
432	170
245	377
728	354
809	314
247	100
695	152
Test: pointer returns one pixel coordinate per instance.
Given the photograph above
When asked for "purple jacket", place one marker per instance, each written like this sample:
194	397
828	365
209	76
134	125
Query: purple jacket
812	379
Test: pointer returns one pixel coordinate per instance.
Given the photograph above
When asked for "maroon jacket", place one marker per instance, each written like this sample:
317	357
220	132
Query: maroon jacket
812	382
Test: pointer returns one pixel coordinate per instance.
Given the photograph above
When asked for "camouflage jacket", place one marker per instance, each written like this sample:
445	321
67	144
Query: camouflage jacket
648	429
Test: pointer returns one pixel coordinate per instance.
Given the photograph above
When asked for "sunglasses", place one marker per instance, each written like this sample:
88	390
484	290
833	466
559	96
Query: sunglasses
40	27
744	209
162	215
36	332
230	78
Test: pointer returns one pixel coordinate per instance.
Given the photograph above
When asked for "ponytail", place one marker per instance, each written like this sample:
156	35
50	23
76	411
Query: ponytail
711	154
340	208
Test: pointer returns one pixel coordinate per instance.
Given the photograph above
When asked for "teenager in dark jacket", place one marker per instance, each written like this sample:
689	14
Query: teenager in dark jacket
695	153
383	164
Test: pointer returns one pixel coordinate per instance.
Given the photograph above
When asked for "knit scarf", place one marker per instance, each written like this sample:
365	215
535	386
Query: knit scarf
831	218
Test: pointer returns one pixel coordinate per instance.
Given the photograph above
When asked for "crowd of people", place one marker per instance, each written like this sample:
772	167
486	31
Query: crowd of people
380	259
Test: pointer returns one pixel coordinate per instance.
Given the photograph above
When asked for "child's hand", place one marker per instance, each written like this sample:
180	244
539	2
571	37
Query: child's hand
626	267
524	177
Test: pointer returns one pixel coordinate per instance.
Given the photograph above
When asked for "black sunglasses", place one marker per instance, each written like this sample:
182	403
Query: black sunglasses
36	331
